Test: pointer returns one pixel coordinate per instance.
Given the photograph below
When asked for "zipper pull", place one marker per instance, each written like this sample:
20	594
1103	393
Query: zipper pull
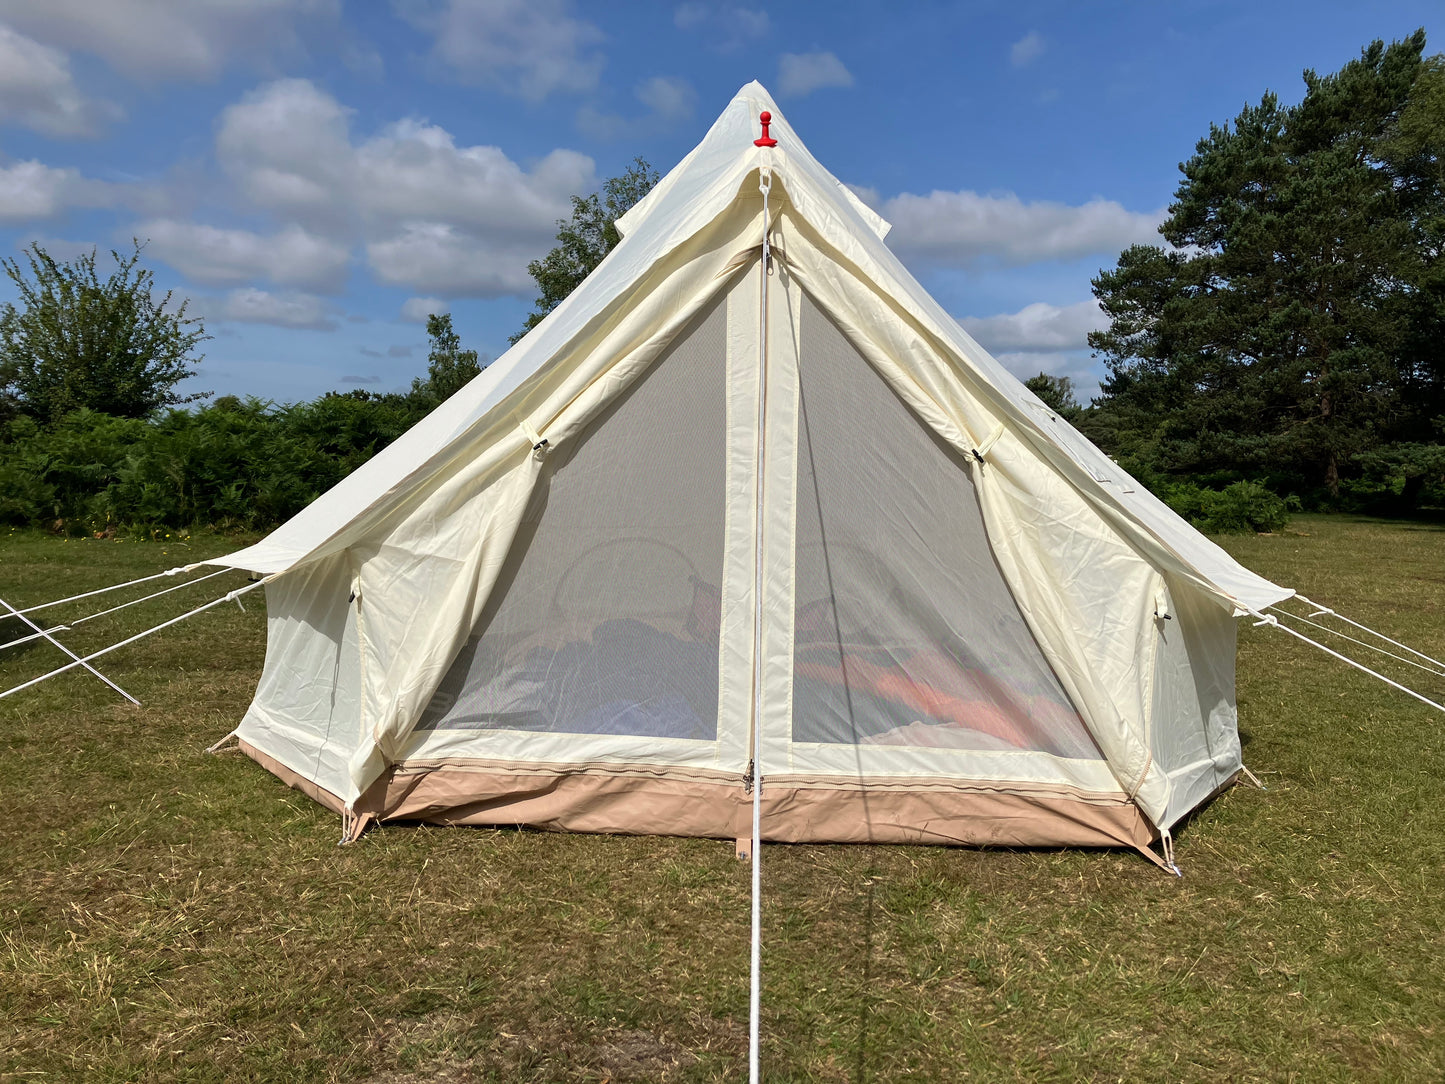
748	777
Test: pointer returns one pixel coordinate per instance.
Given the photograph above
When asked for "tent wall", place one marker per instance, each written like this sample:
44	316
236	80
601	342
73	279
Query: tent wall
1194	731
306	710
1086	593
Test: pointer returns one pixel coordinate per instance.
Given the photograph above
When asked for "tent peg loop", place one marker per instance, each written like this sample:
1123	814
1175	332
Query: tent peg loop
1168	843
218	746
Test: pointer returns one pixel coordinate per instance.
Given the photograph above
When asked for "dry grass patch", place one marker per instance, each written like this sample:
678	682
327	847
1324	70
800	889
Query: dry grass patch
167	915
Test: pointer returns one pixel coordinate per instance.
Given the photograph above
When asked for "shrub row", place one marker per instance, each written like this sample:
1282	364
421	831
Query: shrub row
250	464
1239	507
235	463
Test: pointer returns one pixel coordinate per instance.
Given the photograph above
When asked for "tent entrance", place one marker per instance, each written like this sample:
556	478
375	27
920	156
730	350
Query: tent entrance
620	628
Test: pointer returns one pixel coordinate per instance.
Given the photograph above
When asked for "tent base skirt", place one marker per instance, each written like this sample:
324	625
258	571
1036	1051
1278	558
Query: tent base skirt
647	801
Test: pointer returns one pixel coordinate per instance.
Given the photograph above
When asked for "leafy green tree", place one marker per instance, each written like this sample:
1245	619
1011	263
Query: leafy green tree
1288	330
584	239
77	341
448	365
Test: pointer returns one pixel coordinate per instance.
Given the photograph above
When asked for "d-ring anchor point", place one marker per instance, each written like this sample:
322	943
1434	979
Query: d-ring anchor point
765	118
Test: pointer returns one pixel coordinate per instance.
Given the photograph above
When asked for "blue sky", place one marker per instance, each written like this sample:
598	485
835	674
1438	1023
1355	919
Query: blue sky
316	175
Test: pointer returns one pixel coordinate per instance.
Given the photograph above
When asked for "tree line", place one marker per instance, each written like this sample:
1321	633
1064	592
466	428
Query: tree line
95	437
1280	350
1291	333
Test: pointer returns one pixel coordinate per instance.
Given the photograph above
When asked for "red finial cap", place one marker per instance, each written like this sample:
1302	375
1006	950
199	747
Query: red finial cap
767	141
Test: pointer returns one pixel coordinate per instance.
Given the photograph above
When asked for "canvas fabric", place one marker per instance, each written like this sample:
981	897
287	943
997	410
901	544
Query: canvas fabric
424	608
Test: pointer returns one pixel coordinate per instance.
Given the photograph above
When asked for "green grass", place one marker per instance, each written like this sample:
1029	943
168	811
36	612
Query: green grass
167	915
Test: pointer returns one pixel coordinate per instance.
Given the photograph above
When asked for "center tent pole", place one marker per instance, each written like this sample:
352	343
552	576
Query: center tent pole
765	184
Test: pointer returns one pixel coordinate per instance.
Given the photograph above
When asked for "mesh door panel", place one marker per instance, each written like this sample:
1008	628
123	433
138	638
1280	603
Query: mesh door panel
905	632
605	618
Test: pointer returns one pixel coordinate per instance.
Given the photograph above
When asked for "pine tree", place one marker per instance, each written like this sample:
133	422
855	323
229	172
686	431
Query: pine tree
1286	330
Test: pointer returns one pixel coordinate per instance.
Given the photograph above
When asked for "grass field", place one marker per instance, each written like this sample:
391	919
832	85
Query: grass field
168	915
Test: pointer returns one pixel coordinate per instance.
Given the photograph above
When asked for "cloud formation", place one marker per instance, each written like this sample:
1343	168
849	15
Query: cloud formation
291	256
292	310
669	100
31	190
1026	50
426	213
156	40
531	48
728	26
442	258
803	73
415	310
669	97
965	229
1043	338
38	90
1037	328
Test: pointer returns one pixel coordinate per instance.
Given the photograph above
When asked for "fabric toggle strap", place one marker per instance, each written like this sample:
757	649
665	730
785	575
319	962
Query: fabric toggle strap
538	441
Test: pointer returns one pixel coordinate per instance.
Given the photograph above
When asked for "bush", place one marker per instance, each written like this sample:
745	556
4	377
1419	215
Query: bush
234	463
1239	507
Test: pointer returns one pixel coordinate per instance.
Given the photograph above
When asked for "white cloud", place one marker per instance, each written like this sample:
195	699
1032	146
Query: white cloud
1078	367
415	170
294	310
428	213
161	39
291	256
443	259
31	190
669	97
528	47
965	228
728	27
432	215
415	310
1043	338
38	90
690	15
287	145
1026	50
803	73
1037	328
595	124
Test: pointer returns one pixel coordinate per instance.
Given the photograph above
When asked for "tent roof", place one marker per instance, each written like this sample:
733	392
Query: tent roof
692	194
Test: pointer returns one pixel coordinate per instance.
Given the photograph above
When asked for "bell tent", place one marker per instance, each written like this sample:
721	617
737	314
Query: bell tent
750	507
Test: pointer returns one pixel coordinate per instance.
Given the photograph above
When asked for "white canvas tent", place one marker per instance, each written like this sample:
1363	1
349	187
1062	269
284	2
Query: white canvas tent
709	514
